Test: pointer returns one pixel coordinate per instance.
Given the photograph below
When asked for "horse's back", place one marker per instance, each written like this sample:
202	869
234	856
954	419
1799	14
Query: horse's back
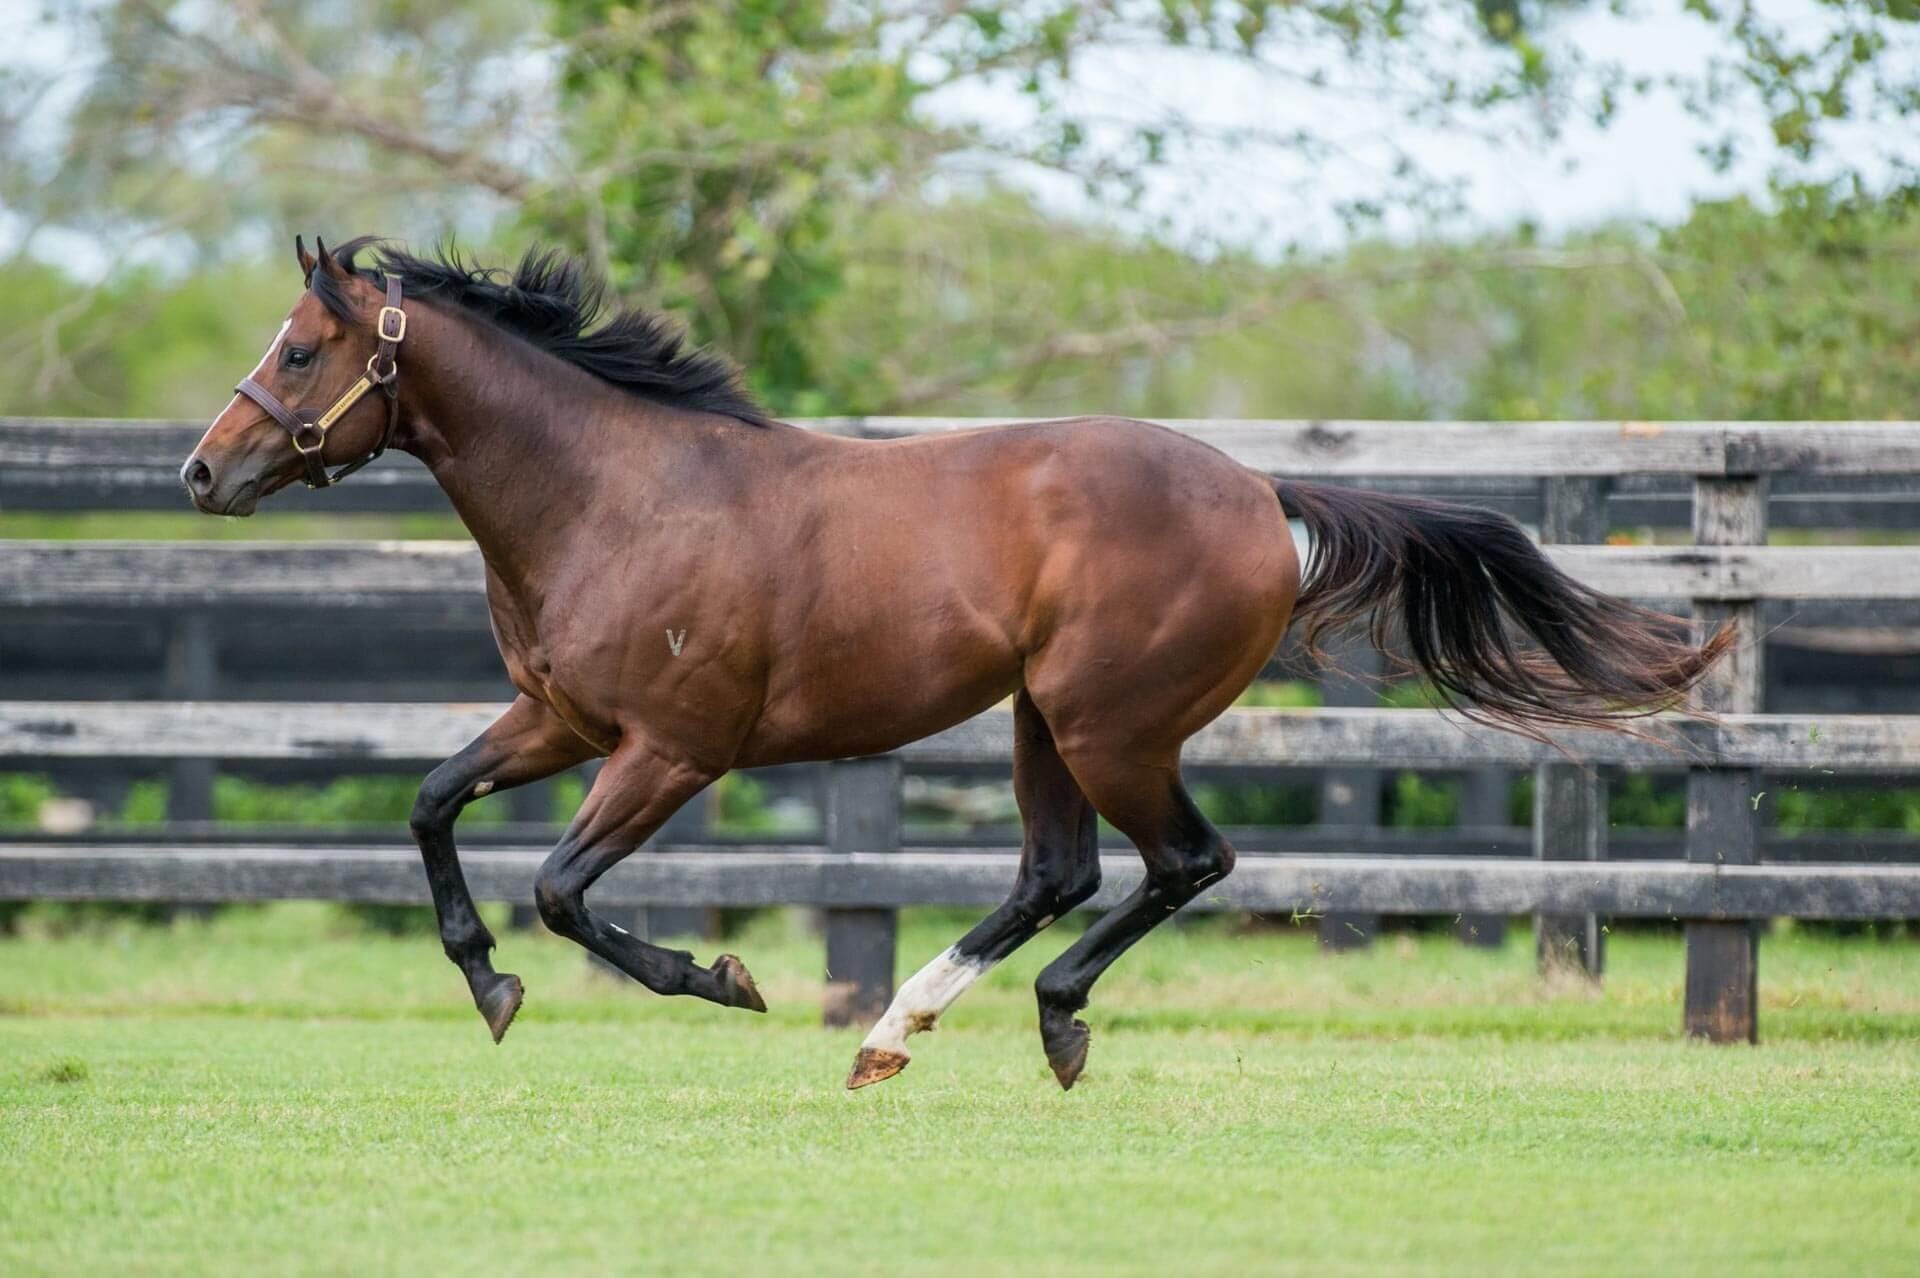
940	572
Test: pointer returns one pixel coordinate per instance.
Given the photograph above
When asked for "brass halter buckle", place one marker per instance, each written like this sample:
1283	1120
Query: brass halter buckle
318	435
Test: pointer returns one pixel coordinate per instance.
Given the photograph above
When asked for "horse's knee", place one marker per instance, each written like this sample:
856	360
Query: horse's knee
434	807
1048	893
559	902
1077	886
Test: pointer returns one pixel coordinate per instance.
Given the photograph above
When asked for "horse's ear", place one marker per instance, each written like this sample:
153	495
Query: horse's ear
326	260
307	260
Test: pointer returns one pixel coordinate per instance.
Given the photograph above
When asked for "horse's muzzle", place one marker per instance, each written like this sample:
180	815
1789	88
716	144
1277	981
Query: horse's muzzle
212	497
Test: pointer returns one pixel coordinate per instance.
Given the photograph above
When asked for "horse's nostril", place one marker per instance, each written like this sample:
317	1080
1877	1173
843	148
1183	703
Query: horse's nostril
198	476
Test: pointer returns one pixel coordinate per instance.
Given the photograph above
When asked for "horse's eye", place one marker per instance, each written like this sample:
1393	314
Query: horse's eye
298	357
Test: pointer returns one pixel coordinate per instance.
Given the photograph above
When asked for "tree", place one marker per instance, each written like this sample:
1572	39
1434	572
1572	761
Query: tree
734	161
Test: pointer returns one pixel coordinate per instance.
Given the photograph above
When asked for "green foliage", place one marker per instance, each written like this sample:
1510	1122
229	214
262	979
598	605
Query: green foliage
774	173
1799	807
141	342
1416	802
1280	694
1256	803
1646	800
987	305
733	138
22	794
961	305
740	806
347	801
146	803
1520	800
1740	312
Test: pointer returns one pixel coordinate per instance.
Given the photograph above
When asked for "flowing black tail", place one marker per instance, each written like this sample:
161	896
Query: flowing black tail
1501	633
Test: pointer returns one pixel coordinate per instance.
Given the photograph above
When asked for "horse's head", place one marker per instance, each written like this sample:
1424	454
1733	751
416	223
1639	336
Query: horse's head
322	394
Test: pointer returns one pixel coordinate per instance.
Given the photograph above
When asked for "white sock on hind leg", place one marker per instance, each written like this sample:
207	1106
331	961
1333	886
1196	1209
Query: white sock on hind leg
928	993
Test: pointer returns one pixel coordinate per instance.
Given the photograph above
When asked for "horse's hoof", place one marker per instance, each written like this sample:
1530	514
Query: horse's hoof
874	1065
738	984
1066	1049
500	1002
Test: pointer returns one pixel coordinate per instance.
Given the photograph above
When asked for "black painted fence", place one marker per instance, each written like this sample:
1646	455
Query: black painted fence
1574	479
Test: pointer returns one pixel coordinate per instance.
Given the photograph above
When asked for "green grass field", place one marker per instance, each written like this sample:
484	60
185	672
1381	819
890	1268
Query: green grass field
281	1092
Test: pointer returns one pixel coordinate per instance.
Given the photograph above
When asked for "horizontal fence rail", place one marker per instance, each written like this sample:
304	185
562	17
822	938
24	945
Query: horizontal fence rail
1510	841
380	574
1251	738
742	876
1575	480
151	451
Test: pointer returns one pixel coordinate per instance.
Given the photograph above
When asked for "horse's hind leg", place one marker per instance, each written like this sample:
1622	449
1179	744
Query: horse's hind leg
1146	800
524	745
638	789
1059	868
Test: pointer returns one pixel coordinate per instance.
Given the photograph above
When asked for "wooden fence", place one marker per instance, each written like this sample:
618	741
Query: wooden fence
860	873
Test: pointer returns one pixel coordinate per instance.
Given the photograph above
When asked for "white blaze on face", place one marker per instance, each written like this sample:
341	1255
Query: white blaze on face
273	348
266	361
931	991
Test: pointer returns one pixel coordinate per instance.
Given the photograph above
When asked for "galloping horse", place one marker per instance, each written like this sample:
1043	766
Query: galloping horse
682	585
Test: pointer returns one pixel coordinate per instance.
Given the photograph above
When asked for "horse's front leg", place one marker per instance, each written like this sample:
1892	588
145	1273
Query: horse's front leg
525	744
642	784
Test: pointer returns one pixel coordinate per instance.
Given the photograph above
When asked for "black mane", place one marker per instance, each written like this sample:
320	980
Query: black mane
550	300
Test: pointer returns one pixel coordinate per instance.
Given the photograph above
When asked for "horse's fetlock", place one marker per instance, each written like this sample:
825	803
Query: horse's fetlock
1216	861
466	948
1059	992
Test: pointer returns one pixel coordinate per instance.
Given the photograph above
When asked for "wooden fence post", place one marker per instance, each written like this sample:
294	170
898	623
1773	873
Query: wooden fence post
1483	805
192	674
1350	797
1723	821
862	815
1569	801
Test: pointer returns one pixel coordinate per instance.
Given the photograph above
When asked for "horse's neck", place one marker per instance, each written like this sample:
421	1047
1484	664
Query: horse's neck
517	451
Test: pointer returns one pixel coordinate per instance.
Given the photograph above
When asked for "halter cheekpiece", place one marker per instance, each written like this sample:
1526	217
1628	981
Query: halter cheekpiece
309	430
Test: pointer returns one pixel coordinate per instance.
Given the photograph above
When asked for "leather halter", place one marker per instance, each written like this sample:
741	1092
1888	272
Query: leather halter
309	429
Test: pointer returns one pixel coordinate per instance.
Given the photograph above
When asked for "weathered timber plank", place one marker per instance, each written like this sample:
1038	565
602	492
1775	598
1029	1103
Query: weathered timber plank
144	574
373	731
1350	448
1852	847
1483	823
1744	572
760	876
1350	796
1295	447
1569	809
862	818
1722	1002
372	573
239	729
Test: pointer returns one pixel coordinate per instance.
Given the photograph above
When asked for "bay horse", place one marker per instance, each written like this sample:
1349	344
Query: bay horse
683	585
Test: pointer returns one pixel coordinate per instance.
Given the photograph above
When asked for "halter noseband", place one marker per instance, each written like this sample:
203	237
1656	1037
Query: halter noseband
383	370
